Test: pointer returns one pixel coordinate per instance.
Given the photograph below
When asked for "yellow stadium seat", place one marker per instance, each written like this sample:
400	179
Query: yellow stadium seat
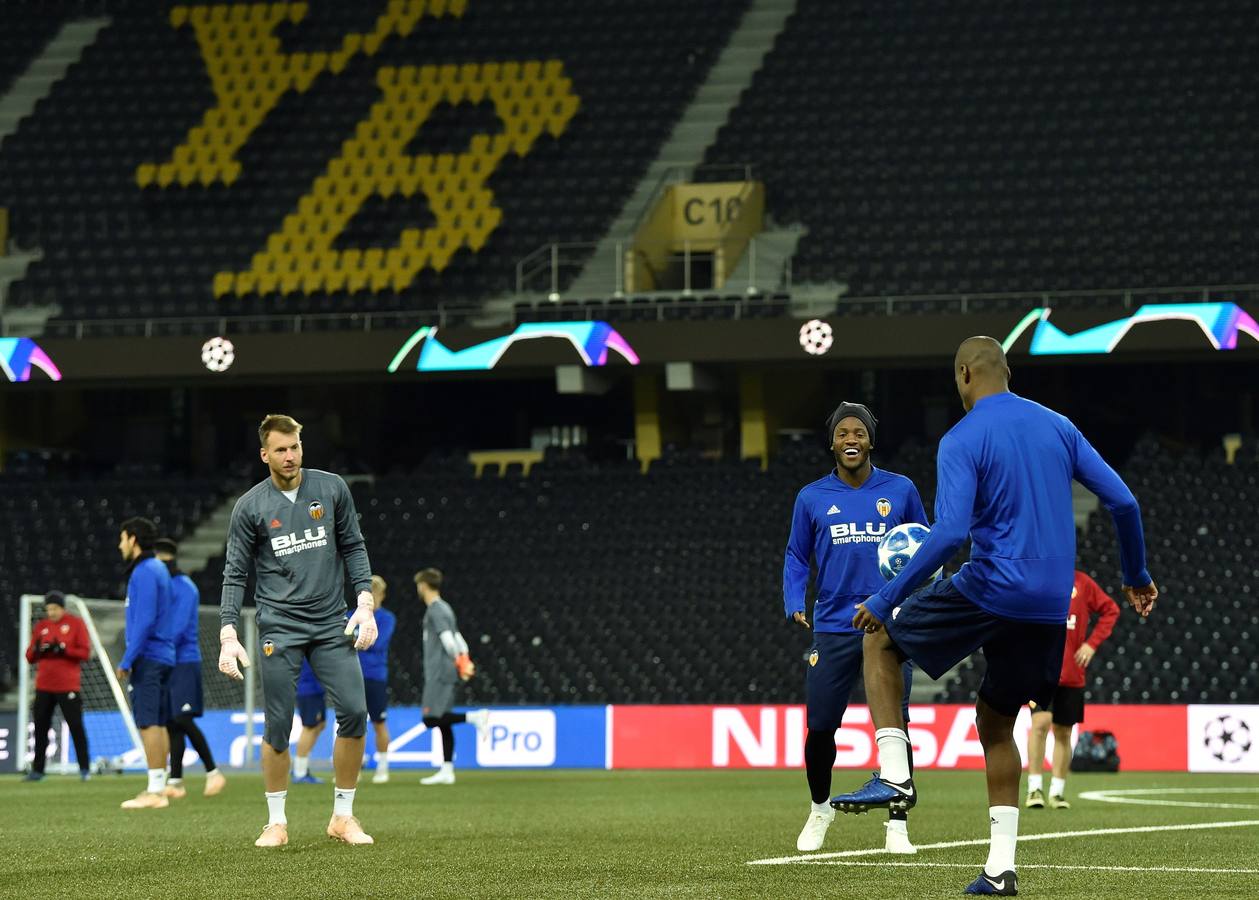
224	283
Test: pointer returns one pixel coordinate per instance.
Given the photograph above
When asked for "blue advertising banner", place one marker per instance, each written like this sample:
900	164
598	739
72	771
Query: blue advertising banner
568	737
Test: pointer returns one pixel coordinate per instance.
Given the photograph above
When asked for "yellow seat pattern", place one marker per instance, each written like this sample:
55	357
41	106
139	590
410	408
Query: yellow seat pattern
374	162
250	73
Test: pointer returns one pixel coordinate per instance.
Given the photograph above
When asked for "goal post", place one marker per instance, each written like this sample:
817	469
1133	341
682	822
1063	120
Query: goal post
113	740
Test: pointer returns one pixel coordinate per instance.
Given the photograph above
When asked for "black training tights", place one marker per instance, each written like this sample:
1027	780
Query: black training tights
178	728
442	724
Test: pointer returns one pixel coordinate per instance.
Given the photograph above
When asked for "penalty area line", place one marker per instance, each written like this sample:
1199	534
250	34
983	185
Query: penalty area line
882	864
1023	838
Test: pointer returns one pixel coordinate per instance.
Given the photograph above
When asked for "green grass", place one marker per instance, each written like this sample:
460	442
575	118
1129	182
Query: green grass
597	834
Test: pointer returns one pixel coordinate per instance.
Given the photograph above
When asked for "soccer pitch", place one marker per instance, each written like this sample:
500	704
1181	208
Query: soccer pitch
623	834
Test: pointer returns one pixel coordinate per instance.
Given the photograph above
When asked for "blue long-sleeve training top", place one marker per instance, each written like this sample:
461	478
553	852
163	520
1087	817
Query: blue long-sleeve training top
185	598
1005	476
375	659
150	626
841	527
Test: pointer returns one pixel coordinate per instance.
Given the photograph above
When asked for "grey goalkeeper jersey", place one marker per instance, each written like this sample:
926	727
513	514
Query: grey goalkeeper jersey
438	664
301	550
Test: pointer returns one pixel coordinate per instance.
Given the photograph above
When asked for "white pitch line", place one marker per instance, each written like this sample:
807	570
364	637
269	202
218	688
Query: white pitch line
1130	795
883	864
1023	838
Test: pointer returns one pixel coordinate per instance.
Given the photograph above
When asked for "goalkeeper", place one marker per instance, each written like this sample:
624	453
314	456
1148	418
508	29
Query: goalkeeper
300	530
446	666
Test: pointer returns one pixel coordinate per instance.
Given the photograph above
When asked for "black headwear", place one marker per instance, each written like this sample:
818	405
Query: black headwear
843	411
55	597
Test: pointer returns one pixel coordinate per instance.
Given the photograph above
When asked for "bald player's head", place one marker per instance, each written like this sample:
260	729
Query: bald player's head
980	370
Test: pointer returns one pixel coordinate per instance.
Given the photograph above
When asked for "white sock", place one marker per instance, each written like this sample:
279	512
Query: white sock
1035	783
301	765
174	781
448	768
343	801
898	825
211	772
893	755
157	781
382	761
1057	786
275	808
1005	834
823	808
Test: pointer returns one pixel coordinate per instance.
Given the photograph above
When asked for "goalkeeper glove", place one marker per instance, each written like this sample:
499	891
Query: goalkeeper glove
231	653
364	620
465	666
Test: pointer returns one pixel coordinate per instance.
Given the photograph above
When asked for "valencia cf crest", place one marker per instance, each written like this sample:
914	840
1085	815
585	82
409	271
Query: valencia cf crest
276	523
884	506
267	648
316	510
813	658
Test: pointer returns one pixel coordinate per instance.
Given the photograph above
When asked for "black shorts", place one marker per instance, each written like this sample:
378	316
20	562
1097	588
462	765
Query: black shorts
312	709
150	692
185	690
377	699
937	627
1067	706
834	669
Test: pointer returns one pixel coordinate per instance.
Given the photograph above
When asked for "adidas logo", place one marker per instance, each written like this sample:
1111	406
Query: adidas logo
833	511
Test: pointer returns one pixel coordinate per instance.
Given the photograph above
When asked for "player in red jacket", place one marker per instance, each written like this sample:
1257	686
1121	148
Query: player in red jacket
59	646
1067	708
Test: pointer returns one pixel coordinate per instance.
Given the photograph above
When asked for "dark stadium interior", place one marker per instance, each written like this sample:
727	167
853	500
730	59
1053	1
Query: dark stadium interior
930	149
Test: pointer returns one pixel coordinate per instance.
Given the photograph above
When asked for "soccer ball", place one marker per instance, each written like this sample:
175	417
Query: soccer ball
218	354
899	546
816	337
1227	738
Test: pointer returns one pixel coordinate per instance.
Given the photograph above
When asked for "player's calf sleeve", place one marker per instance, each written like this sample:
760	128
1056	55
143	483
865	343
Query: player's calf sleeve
819	759
448	742
197	738
176	735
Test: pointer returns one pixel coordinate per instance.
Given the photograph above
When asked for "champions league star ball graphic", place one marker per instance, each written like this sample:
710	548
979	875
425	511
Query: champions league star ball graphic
899	546
1227	738
816	337
218	354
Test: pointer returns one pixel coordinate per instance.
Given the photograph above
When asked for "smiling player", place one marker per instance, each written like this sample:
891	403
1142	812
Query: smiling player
839	520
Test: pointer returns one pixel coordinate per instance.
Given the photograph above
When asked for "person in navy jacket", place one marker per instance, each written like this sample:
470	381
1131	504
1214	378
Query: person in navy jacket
839	521
150	655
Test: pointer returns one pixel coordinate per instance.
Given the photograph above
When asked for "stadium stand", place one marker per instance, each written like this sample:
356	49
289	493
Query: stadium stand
249	158
61	531
984	147
593	583
25	28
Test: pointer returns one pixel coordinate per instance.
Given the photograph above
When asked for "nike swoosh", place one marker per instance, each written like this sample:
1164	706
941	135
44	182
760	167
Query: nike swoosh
999	885
904	791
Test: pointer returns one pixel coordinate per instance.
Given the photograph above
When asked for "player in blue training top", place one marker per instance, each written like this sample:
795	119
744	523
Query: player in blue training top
839	520
375	663
312	709
150	653
186	702
1005	475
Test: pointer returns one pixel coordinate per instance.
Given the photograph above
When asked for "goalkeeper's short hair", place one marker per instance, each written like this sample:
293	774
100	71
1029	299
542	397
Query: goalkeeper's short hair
431	577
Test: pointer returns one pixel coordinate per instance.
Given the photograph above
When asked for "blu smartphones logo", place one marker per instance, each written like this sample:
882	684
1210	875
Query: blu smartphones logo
19	355
591	340
1220	323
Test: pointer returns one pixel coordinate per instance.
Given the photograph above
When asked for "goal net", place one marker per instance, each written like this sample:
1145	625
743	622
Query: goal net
112	738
